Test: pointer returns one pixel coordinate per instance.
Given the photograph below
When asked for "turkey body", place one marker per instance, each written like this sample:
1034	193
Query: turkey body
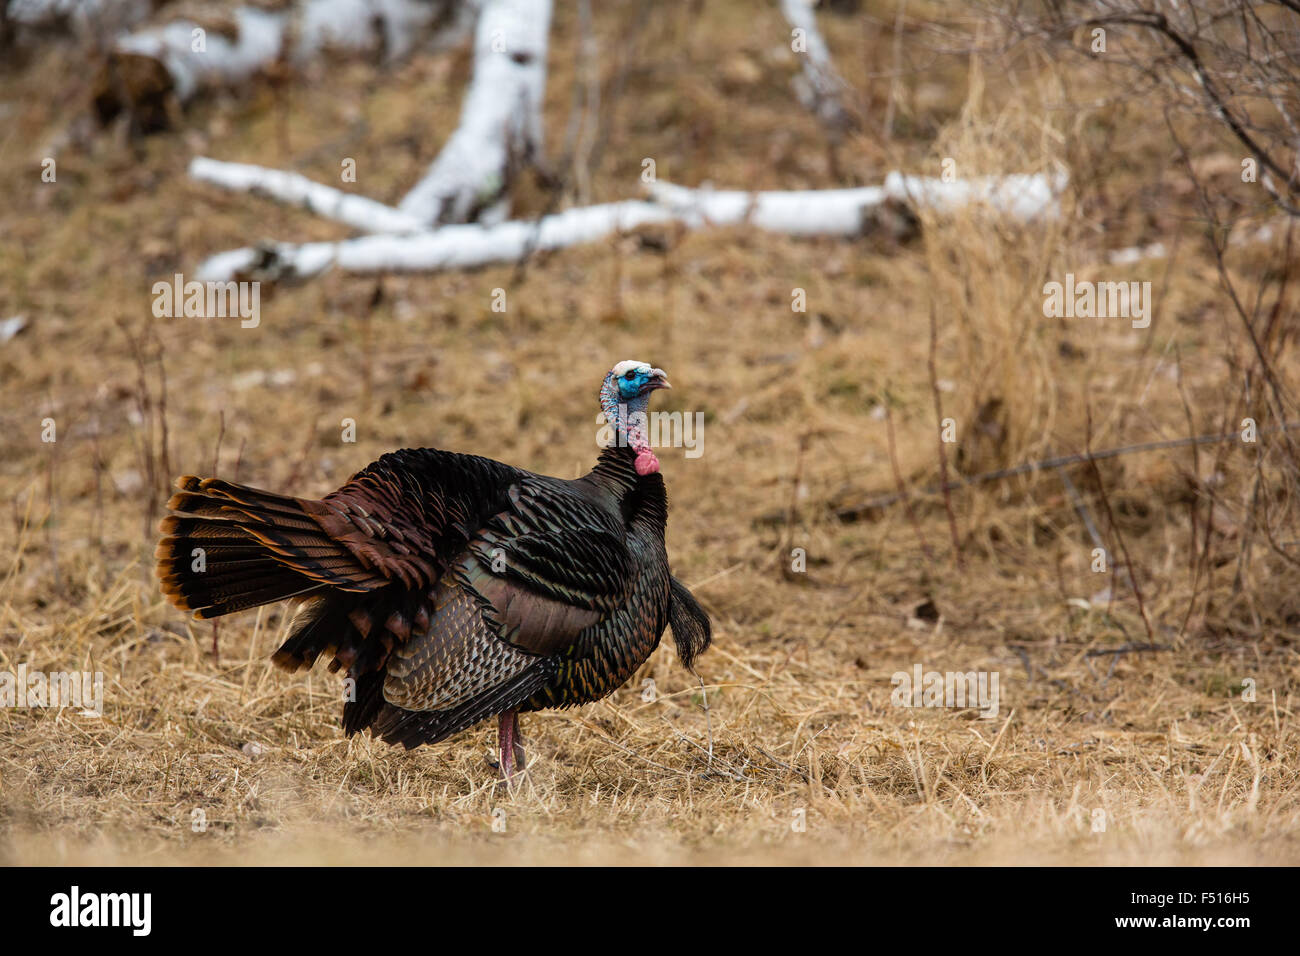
450	588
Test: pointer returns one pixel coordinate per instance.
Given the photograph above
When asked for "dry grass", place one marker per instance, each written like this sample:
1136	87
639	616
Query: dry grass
799	678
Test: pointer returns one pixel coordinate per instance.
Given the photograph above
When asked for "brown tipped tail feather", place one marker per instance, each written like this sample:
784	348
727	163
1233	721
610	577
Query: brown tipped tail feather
232	547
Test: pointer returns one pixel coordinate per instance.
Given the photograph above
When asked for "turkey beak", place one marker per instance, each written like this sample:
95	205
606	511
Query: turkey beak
658	379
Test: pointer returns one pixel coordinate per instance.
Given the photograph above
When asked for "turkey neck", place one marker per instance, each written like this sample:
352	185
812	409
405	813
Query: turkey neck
642	498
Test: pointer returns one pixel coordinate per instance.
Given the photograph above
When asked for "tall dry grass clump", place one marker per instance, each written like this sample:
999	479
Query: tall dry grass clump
999	356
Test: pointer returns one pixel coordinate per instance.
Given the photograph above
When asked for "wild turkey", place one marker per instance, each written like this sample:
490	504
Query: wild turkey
453	588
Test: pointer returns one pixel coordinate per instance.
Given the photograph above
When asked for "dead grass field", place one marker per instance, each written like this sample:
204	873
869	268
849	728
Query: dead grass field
1185	770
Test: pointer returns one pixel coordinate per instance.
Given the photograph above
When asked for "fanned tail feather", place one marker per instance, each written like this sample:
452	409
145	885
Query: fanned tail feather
232	547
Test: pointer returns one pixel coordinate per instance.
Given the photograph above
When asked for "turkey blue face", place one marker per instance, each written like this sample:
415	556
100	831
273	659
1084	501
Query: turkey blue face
635	379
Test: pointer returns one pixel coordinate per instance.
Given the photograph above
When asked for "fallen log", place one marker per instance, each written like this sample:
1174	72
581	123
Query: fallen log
180	59
500	129
359	212
818	87
830	212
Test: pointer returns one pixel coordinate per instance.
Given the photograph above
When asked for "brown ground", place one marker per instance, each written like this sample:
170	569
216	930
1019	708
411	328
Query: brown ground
798	681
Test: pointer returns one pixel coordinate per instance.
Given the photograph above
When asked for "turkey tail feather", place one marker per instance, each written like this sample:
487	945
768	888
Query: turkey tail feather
692	631
232	547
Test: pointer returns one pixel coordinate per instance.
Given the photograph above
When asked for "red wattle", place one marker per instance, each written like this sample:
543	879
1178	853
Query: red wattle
646	462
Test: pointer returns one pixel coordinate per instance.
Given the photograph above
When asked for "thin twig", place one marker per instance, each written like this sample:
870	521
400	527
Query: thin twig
1129	648
1114	527
1048	464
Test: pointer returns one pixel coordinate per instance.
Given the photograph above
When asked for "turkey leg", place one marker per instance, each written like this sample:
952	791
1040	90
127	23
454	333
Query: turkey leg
511	744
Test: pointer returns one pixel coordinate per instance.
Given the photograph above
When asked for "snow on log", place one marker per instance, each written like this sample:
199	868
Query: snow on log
819	87
359	212
827	212
189	56
500	130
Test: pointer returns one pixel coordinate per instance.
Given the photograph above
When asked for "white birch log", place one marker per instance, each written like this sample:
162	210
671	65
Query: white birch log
840	212
824	212
359	212
814	212
819	87
198	57
500	129
450	247
1024	196
829	212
